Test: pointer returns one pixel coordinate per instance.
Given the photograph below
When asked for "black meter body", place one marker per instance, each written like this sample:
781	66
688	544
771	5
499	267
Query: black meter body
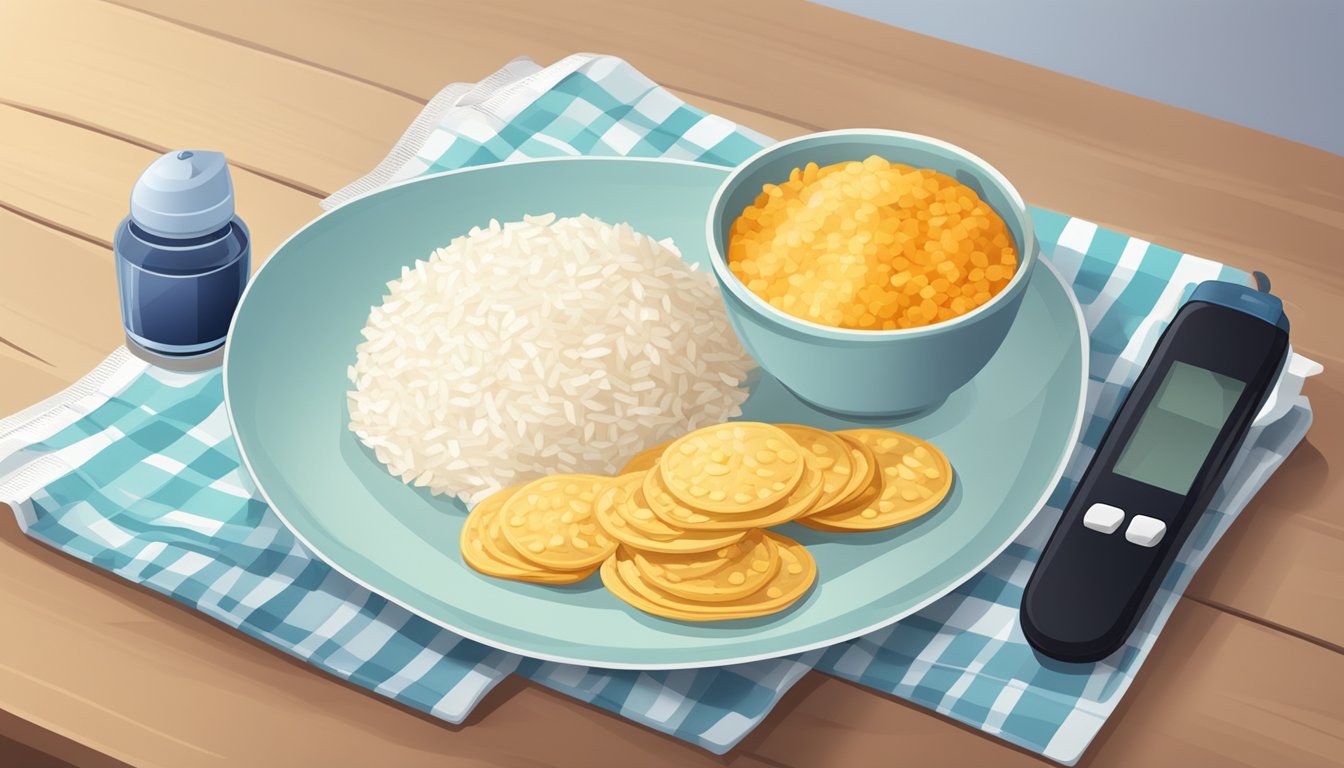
1155	471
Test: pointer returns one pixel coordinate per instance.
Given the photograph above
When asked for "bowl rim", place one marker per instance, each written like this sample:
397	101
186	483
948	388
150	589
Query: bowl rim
1028	250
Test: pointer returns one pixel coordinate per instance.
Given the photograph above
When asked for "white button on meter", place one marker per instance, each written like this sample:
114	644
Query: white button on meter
1103	518
1145	531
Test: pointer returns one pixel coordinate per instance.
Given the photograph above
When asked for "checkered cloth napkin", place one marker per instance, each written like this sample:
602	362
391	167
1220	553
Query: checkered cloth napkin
134	469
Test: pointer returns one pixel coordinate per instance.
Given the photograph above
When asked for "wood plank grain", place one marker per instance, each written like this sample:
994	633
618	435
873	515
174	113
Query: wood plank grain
1217	691
825	721
59	329
64	326
30	757
151	683
1170	176
267	694
135	76
1175	177
80	181
1281	561
489	41
29	746
1067	143
1228	192
22	384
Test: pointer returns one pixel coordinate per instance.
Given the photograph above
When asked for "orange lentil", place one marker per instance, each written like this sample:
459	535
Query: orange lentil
871	245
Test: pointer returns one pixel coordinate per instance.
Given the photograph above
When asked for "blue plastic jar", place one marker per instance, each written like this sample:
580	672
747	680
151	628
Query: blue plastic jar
182	256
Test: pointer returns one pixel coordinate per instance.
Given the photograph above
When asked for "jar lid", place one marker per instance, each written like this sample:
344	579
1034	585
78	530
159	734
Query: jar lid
183	194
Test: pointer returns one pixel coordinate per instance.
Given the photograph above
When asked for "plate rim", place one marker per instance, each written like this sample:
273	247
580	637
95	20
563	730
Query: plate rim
1062	464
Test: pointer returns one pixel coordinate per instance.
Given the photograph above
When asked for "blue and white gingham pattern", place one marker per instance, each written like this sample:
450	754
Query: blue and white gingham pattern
133	469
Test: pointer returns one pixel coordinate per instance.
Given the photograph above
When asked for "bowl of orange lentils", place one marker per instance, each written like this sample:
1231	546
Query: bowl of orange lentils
872	272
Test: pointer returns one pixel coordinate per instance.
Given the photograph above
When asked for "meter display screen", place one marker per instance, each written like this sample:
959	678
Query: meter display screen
1179	427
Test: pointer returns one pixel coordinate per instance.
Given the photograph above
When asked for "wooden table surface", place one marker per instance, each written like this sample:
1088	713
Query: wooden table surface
305	96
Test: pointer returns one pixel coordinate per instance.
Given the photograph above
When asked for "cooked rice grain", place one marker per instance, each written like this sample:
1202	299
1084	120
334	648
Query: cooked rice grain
541	346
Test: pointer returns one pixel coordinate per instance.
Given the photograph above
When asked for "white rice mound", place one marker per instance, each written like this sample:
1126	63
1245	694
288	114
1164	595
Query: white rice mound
541	346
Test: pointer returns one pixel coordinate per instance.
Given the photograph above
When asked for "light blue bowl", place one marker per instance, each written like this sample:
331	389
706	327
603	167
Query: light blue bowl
869	373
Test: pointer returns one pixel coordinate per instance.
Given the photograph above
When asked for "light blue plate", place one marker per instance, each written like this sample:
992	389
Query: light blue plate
1008	433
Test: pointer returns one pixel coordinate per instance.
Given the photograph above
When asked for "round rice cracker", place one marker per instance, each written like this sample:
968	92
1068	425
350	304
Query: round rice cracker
723	575
625	516
690	567
550	522
832	455
796	575
735	468
865	478
675	513
914	477
636	513
614	512
485	549
865	471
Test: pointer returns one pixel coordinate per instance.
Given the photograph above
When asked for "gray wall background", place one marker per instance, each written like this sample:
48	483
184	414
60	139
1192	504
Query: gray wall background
1273	65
